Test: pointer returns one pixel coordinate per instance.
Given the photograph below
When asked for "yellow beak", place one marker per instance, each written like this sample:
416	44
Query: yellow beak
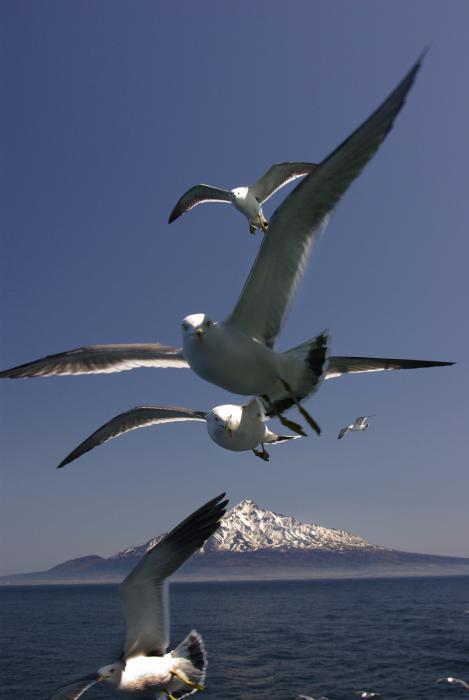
199	333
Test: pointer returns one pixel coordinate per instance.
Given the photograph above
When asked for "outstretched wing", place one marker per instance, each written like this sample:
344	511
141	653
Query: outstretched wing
144	593
139	417
353	365
100	359
343	432
360	421
75	689
197	195
296	225
277	176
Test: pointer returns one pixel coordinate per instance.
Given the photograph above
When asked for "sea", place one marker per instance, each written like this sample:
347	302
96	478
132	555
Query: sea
265	640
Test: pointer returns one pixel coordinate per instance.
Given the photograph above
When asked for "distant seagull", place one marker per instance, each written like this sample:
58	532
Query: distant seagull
454	681
145	668
236	428
247	200
366	694
238	354
360	423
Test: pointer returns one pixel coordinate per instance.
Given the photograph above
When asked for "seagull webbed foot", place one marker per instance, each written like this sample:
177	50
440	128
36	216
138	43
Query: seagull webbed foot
296	427
262	454
264	226
309	419
170	697
182	677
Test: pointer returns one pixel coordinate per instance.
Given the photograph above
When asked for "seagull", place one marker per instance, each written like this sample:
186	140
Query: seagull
145	667
454	681
234	427
360	423
247	200
238	353
367	694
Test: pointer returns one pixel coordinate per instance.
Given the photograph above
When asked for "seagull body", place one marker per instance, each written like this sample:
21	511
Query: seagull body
359	424
233	427
227	357
145	668
247	200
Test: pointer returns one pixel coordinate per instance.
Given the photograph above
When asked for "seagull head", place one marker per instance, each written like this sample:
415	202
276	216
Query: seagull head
224	418
240	192
111	673
195	327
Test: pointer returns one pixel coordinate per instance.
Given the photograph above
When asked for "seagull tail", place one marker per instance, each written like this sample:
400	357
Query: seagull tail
191	658
310	370
314	355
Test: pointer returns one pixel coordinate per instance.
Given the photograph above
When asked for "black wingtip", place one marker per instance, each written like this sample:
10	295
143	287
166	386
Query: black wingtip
63	463
175	214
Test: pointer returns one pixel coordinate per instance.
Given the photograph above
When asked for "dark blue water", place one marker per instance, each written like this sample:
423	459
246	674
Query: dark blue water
264	640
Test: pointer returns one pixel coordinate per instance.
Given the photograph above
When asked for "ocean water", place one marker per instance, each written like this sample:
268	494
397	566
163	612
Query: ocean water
265	640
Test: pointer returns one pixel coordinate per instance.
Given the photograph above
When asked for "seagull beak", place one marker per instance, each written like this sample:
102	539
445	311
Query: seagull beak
199	332
229	427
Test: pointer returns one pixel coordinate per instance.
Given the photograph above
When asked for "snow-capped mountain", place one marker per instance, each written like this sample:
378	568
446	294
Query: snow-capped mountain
254	543
249	528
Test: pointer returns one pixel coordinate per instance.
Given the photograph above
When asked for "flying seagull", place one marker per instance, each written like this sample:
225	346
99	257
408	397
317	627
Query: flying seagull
359	424
247	200
238	354
145	667
454	681
237	428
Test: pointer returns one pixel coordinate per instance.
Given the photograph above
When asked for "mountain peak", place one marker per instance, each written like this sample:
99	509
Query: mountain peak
248	527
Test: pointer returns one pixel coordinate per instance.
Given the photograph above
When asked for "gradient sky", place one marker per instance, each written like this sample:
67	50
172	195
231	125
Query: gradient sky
110	111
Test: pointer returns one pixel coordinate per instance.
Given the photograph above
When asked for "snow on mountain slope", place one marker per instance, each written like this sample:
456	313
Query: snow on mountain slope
248	528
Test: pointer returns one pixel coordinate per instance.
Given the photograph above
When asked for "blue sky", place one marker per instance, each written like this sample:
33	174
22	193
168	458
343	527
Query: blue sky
112	110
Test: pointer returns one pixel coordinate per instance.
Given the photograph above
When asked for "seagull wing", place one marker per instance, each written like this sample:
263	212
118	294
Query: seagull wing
75	689
144	593
100	359
139	417
353	365
277	176
359	422
343	432
295	226
197	195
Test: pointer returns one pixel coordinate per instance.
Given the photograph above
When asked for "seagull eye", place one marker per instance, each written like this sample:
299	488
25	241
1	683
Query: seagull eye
208	323
185	326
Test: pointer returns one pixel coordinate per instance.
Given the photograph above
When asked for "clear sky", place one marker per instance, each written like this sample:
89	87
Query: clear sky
110	111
